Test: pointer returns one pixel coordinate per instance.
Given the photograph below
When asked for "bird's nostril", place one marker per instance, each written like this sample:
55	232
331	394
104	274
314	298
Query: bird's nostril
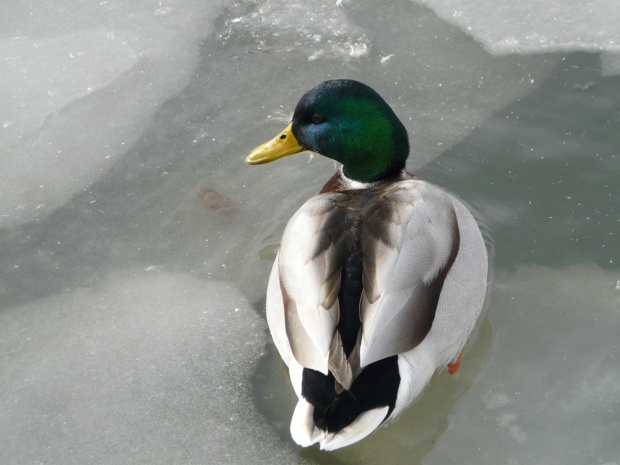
283	136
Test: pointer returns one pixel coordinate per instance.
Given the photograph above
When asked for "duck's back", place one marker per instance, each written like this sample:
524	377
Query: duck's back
360	279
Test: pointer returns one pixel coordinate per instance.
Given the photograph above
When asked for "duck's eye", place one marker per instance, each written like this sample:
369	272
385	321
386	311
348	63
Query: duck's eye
317	119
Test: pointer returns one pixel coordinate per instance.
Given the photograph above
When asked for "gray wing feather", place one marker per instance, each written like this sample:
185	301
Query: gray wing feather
402	262
309	269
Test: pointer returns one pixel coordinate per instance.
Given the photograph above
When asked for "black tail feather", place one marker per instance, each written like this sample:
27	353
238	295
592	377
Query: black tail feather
376	386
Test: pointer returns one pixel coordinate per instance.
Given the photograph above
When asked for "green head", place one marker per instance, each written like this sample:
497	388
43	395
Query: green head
349	122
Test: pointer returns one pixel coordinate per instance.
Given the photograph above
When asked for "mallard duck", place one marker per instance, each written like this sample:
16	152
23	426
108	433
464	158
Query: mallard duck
379	279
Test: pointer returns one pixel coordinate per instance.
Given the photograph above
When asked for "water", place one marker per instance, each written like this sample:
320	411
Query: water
120	121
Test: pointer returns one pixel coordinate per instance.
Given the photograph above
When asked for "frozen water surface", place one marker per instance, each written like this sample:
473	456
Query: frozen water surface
146	367
118	286
80	82
506	27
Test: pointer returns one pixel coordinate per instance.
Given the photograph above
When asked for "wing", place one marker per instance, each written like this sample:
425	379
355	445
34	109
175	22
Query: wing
409	240
313	249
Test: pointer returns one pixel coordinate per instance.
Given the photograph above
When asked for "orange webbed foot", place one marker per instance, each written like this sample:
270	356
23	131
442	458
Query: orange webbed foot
454	366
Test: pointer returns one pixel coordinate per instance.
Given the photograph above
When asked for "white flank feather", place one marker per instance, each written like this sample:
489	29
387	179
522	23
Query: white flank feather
303	430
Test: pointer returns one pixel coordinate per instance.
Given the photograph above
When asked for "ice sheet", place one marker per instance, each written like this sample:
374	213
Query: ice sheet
141	368
46	75
80	83
530	26
319	28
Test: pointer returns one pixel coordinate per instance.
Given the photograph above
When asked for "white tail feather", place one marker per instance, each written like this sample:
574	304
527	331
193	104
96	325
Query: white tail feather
303	430
365	424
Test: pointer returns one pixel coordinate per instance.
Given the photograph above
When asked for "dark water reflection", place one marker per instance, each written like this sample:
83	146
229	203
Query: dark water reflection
545	171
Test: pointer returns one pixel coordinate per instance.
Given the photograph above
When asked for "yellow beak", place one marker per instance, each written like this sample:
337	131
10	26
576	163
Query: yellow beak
283	145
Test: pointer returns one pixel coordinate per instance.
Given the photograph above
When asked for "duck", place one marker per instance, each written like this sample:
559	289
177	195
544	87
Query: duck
379	279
